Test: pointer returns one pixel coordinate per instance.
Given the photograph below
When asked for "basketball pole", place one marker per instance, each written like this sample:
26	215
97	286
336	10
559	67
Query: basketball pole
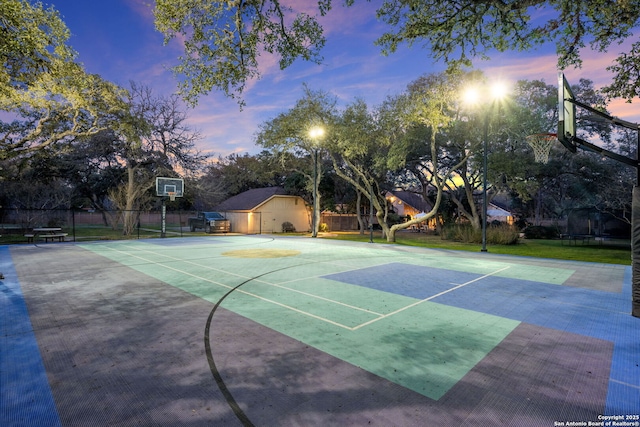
635	238
163	229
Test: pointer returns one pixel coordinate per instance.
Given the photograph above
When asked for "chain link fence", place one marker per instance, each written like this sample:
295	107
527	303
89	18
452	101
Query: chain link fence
22	225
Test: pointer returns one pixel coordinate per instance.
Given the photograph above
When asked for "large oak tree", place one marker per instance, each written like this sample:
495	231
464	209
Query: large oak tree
223	39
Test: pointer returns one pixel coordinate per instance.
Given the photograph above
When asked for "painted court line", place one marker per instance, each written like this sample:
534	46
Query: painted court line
625	384
428	299
353	307
354	328
243	291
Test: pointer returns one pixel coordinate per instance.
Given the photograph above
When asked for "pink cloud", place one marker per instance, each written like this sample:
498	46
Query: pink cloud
516	66
141	8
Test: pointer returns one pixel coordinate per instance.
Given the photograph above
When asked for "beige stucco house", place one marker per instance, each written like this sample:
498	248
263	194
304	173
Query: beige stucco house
264	210
411	205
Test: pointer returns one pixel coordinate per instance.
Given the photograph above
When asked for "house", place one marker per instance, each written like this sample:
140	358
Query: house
407	203
496	213
264	210
412	205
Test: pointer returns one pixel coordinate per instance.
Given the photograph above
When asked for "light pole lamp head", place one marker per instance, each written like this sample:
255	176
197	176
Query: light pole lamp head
471	96
479	95
316	132
499	90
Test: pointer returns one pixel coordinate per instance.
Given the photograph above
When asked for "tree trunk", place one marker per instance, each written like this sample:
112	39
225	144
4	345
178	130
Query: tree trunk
128	216
359	211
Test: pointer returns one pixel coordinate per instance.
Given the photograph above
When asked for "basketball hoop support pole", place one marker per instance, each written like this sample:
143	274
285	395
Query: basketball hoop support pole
635	238
163	229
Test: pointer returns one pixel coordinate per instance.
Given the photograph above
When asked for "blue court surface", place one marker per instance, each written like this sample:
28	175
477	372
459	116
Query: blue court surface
265	331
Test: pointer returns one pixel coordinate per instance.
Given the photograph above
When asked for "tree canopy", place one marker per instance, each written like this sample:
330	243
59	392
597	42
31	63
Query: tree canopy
32	41
223	40
48	96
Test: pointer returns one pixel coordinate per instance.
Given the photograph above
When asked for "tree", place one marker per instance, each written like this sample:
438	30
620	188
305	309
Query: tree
360	150
238	173
223	39
289	137
431	103
49	98
463	30
369	148
32	42
56	109
152	141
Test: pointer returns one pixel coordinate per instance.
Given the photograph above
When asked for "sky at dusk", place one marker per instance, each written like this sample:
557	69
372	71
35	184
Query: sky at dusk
117	39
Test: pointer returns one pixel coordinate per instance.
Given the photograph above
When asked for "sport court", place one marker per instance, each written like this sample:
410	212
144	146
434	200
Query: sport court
266	331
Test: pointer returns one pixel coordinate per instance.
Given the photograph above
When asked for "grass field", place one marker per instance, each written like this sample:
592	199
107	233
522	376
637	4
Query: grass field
609	252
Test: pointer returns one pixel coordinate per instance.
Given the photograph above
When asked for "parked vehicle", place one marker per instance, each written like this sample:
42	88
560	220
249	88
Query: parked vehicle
211	222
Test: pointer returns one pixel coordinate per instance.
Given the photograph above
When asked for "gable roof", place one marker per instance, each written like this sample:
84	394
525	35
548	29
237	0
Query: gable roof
413	199
250	199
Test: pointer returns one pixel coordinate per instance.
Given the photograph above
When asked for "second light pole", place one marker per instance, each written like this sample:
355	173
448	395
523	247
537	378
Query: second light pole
473	96
315	133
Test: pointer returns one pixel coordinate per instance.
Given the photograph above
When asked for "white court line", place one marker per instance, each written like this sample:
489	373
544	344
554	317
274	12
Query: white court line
240	290
427	299
625	384
380	316
353	307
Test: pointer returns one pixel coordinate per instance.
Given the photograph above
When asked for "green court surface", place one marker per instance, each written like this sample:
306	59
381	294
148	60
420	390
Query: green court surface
407	340
259	330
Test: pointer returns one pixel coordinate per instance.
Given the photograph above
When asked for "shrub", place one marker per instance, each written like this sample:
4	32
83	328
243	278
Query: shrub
502	234
287	227
323	227
461	233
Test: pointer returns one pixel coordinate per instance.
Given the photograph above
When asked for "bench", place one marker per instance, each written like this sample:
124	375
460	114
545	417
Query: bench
60	236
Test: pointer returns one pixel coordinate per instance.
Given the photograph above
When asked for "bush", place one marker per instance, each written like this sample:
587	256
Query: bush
287	227
323	228
540	232
502	234
461	233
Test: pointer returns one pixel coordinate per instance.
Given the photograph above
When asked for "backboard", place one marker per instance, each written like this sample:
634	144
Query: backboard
566	114
166	186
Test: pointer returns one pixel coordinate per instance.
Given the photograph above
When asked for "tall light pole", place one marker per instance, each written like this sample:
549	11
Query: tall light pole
485	137
474	96
315	133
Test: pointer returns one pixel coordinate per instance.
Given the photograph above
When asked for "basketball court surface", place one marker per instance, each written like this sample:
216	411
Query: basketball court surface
293	331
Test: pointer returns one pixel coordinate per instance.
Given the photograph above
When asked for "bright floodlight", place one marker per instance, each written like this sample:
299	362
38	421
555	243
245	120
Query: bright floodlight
480	95
316	132
499	90
472	96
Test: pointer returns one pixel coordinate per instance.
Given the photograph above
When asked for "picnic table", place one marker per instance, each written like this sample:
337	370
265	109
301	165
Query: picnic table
46	233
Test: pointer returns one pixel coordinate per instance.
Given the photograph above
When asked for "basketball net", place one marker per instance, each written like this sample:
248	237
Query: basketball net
541	144
172	195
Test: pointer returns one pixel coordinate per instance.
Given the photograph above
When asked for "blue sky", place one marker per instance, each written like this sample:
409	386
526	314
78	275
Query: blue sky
117	39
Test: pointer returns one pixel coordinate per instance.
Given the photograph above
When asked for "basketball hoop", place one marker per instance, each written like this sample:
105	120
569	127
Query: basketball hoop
172	195
541	144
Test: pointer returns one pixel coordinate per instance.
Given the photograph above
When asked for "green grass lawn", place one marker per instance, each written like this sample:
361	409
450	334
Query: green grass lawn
610	252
